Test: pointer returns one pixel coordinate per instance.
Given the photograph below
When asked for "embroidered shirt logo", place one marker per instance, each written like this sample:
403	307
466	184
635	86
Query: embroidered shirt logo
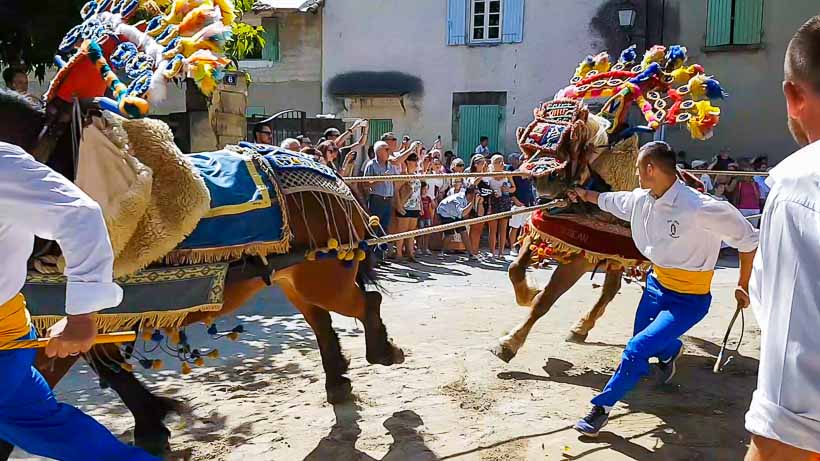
673	228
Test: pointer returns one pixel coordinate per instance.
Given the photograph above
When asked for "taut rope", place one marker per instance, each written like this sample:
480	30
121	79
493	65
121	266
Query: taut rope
465	223
505	174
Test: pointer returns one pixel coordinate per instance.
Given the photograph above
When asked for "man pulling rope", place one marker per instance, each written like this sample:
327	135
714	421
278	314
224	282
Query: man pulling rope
679	230
37	201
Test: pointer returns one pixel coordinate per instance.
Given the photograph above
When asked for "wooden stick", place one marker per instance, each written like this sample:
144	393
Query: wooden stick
41	343
503	174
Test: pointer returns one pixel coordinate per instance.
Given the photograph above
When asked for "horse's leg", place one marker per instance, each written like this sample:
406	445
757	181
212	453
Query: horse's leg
564	277
53	370
612	283
150	432
311	280
333	360
524	293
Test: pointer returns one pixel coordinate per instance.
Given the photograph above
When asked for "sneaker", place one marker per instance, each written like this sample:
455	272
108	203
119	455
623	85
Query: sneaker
592	423
667	369
514	252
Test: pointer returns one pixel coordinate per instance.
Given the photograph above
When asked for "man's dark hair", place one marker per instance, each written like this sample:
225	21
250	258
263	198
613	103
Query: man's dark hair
423	184
448	153
483	138
331	132
258	128
661	156
803	54
389	136
471	189
9	73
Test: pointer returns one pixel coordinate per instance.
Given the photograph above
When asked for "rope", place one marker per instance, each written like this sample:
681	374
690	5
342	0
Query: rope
41	343
479	220
506	174
464	223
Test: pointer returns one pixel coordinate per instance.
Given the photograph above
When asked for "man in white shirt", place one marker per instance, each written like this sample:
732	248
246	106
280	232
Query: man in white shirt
784	416
679	230
37	201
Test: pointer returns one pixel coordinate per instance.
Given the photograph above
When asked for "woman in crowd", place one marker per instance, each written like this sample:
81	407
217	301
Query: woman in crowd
746	193
478	164
428	209
408	208
500	201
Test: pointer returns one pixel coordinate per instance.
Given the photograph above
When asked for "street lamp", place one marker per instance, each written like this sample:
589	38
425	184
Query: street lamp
626	16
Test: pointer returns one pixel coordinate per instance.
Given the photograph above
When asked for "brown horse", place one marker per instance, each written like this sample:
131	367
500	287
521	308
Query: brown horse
565	276
303	282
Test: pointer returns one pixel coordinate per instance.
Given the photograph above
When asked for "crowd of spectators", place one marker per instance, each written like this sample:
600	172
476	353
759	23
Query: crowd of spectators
747	193
425	202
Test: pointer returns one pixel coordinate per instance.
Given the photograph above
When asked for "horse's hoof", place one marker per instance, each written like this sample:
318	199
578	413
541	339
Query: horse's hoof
503	352
398	355
577	338
155	444
340	393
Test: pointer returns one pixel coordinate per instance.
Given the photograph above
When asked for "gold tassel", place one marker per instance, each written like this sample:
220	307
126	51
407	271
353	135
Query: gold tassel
109	323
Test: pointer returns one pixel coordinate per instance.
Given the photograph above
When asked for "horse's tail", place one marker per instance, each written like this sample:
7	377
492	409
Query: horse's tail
366	274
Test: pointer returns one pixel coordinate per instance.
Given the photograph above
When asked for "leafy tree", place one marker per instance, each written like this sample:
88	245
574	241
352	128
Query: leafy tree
247	40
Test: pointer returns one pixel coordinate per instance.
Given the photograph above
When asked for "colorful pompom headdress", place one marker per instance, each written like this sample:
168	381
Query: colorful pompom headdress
666	89
136	61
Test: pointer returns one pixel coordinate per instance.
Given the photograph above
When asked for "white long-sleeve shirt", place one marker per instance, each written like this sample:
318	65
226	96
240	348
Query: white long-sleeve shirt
682	229
35	200
785	293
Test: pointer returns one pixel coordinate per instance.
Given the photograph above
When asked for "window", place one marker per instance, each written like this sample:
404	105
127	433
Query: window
485	21
734	22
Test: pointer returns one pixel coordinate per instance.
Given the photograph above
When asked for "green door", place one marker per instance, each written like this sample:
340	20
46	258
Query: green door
378	127
475	122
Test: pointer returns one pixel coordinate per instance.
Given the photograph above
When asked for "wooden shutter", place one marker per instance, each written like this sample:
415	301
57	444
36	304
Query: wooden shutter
376	128
475	122
457	22
719	23
513	21
271	50
748	22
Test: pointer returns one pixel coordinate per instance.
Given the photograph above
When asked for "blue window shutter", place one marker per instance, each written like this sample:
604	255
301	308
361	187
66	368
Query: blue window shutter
513	21
457	22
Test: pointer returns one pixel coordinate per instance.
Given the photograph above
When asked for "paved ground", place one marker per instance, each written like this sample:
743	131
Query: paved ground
451	399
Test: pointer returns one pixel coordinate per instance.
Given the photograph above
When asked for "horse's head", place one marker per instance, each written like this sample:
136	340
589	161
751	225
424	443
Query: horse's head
566	163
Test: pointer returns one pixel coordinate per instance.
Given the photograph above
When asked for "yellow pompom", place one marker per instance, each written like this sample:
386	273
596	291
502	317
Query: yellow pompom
214	354
186	369
199	362
374	221
341	255
233	336
156	364
361	255
533	247
146	334
127	367
311	256
350	255
333	244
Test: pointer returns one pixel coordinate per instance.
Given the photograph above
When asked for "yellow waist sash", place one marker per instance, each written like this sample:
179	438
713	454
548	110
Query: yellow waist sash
15	321
683	281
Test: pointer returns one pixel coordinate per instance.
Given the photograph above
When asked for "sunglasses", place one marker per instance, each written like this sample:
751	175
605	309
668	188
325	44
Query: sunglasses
266	133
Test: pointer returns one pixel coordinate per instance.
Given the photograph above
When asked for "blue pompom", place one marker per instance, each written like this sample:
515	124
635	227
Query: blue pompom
238	329
212	330
714	90
676	53
629	55
363	245
347	264
156	336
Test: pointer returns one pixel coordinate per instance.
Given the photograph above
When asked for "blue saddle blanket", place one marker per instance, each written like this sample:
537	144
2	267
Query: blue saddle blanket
245	213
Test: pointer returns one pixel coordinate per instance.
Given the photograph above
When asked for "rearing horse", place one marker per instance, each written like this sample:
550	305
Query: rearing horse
47	135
